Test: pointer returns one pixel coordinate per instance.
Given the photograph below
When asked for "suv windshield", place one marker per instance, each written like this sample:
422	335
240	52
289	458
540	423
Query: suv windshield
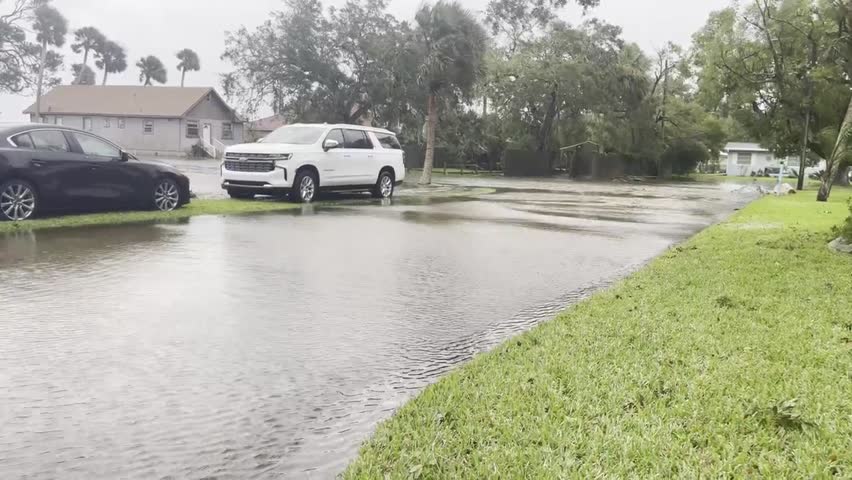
295	135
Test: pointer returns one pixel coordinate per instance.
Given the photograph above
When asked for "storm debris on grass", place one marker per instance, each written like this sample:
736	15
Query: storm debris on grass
729	356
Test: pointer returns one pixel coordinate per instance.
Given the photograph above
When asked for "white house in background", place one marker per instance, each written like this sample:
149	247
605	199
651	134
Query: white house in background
745	159
145	120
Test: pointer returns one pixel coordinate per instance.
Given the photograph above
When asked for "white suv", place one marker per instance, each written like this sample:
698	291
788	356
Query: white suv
299	160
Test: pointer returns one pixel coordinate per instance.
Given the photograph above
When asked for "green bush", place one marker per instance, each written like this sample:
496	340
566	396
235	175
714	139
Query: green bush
846	229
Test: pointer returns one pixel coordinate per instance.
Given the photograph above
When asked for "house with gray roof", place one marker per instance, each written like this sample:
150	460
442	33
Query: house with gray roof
147	121
746	159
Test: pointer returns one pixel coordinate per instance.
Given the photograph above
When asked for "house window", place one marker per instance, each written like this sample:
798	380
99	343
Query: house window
87	124
227	131
57	120
107	123
120	124
149	127
191	129
744	158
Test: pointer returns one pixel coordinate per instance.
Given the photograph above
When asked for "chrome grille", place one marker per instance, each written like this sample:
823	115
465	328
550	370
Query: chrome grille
249	165
257	156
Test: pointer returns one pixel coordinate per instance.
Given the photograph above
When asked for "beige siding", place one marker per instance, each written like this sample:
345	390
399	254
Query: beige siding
168	138
211	111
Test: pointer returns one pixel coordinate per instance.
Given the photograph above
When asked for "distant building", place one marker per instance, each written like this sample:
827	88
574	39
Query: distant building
263	127
745	159
144	120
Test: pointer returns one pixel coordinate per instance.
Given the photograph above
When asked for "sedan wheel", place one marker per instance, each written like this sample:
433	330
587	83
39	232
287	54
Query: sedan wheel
18	201
166	195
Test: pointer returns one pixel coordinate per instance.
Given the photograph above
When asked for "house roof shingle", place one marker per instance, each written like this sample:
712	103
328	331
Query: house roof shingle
122	100
745	147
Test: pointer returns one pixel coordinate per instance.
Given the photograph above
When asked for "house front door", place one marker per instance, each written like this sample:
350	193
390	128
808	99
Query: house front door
207	133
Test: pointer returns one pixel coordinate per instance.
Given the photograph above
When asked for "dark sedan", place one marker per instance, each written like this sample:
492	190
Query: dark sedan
51	168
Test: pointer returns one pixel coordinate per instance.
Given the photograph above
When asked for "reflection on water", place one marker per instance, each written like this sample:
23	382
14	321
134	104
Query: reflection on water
260	346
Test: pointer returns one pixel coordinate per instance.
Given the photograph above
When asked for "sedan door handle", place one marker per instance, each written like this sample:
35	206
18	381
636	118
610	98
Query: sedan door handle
38	163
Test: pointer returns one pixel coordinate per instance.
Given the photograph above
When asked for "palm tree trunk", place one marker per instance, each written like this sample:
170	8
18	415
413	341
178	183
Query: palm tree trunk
182	77
832	163
106	72
40	80
431	128
85	56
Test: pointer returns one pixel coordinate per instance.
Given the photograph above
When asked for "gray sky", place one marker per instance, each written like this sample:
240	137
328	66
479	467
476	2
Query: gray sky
162	27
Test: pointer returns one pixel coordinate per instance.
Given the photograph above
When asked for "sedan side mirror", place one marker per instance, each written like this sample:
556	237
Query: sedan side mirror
330	145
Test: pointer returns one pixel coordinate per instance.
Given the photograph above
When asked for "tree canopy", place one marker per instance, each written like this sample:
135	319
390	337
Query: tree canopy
151	69
189	62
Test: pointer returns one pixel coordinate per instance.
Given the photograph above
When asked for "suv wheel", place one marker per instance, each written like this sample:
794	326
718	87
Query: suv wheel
18	201
166	195
305	187
384	187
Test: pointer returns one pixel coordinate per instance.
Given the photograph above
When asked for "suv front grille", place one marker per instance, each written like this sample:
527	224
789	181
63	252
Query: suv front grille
257	156
249	166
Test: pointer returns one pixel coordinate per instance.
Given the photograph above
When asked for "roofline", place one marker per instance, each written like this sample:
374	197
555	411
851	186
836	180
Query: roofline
159	117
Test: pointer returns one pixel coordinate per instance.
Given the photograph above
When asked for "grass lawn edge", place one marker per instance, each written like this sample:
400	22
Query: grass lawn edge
746	371
195	209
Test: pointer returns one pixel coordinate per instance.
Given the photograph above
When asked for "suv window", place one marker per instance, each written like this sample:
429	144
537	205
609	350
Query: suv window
336	135
357	139
389	141
50	140
96	146
23	141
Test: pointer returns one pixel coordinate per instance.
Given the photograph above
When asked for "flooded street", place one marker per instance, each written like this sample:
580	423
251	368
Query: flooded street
270	346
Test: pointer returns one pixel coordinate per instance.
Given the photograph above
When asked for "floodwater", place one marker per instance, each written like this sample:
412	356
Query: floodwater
270	346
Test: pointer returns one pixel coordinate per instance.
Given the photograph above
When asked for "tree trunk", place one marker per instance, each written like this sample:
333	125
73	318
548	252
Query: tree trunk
804	156
547	126
106	72
182	77
86	56
831	163
431	128
40	80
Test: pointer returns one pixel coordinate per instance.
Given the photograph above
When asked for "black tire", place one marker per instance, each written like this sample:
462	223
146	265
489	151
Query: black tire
166	195
384	186
305	187
240	195
19	201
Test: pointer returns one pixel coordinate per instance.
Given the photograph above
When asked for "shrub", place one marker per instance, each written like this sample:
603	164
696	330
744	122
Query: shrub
684	156
846	229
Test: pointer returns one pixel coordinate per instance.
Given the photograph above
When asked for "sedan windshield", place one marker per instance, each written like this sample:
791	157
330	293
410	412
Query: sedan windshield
295	135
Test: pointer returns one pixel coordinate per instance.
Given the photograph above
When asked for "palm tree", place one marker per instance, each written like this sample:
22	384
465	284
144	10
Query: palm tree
87	39
111	58
151	69
83	74
189	61
452	45
50	27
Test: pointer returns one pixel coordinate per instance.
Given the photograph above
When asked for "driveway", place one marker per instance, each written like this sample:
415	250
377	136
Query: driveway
262	346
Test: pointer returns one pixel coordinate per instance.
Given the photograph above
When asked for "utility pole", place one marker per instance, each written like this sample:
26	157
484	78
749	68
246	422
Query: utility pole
809	105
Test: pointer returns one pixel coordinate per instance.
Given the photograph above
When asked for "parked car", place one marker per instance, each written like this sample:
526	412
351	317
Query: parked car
789	172
300	160
53	168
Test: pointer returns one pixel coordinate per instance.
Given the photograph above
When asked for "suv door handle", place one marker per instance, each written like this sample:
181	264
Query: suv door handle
37	163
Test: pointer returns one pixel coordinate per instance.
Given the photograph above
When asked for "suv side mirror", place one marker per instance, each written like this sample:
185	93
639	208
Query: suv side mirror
330	145
124	156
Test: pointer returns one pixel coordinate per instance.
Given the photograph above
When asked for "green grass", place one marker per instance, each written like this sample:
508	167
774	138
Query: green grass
729	356
196	208
810	184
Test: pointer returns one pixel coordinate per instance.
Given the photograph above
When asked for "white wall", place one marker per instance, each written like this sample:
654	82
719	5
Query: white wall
759	161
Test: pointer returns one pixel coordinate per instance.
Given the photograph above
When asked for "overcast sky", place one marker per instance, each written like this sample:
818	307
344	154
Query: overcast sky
162	27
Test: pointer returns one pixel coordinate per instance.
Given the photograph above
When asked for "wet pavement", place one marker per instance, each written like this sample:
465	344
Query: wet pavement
270	346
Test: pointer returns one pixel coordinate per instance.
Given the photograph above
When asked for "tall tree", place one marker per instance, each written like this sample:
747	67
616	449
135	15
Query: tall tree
50	27
87	40
189	61
19	58
83	74
151	69
452	47
345	65
111	58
